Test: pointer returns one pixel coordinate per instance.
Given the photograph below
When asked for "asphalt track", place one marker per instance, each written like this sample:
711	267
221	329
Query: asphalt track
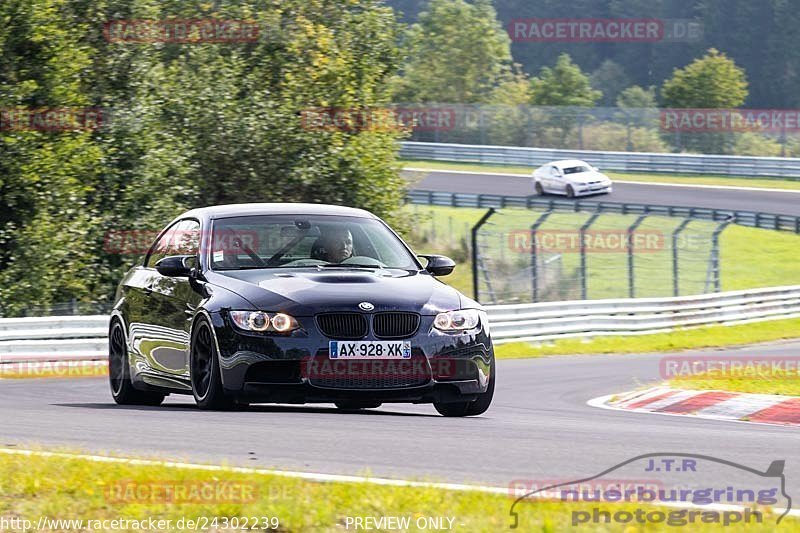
538	428
773	202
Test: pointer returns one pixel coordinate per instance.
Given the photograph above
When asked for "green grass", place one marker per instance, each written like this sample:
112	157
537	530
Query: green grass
779	382
683	339
750	257
72	488
686	179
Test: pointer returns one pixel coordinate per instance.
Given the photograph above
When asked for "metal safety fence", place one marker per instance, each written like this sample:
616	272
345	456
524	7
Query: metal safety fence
84	338
529	249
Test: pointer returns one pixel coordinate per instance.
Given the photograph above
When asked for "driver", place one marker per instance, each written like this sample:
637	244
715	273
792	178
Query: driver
336	245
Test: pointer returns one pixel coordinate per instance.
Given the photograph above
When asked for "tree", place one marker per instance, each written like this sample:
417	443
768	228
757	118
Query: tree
187	125
636	106
637	97
511	114
711	82
564	85
457	52
610	79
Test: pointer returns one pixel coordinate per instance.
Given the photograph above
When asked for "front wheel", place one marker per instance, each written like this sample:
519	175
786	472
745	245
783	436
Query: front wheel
205	372
119	374
473	408
570	192
539	188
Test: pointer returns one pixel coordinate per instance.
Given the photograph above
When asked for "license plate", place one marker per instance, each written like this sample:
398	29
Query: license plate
369	350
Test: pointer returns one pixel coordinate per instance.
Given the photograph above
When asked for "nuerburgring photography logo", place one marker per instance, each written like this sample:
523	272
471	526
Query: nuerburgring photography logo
689	489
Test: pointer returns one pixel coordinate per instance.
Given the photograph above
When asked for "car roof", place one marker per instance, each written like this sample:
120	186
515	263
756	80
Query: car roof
235	210
565	163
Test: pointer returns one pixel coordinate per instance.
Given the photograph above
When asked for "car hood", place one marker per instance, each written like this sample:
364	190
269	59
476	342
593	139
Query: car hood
586	177
308	292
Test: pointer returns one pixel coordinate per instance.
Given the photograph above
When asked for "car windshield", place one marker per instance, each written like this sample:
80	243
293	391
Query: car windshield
297	241
576	170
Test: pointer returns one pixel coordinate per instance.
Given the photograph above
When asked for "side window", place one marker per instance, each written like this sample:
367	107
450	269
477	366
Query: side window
161	248
183	238
187	238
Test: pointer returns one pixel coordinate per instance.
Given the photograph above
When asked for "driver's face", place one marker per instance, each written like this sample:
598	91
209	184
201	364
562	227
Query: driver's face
339	246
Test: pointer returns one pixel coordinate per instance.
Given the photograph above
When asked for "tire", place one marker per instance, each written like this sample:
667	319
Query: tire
474	408
119	372
539	188
204	371
352	405
570	192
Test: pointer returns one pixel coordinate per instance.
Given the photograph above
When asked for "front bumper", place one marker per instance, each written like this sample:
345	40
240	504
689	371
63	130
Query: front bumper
297	369
594	189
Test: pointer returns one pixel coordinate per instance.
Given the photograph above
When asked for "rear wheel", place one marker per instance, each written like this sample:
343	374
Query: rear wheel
205	373
351	405
119	376
539	188
474	408
570	192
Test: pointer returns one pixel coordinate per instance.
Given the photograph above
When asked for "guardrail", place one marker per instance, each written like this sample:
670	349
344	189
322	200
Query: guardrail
641	316
719	165
46	339
742	218
84	338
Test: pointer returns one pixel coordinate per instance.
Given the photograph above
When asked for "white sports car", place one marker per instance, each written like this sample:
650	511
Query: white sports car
571	177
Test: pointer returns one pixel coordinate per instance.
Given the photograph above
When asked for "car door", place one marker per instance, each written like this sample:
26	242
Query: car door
556	182
143	309
174	302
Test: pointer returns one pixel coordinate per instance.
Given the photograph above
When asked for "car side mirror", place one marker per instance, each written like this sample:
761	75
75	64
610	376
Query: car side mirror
176	266
439	265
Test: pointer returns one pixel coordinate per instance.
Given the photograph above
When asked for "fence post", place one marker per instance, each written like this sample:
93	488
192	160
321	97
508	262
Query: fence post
586	226
631	277
534	258
714	275
675	235
476	254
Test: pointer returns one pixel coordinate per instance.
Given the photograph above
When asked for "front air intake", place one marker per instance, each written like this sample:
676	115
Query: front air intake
343	326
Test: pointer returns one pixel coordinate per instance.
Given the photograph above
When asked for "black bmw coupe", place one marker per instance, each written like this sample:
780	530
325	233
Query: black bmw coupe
296	303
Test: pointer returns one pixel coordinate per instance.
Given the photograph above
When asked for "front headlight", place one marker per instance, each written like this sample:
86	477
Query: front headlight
457	320
261	322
